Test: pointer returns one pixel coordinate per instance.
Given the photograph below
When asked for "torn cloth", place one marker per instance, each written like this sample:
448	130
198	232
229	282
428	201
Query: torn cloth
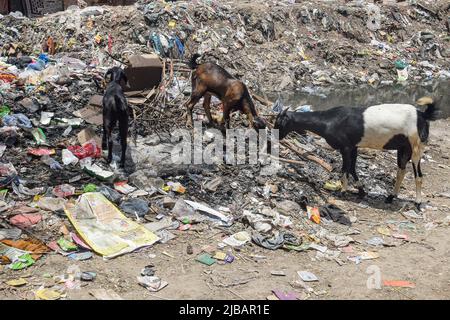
332	212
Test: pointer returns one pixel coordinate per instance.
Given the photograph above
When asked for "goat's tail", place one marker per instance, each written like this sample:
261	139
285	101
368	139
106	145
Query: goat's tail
432	112
192	63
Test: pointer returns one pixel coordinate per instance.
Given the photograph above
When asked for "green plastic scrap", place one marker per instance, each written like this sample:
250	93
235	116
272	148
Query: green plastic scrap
302	247
66	245
90	188
4	111
186	221
39	136
22	262
400	65
3	193
206	259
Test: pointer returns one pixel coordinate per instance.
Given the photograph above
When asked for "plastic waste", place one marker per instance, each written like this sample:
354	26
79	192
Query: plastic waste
68	157
46	117
304	108
334	213
41	152
52	163
39	136
313	214
111	194
89	149
276	241
63	190
96	171
17	120
90	188
135	207
4	111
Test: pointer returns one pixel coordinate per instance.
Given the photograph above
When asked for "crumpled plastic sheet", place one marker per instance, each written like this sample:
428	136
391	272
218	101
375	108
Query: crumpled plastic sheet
276	241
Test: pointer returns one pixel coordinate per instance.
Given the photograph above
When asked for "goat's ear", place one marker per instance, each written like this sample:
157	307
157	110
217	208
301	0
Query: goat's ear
283	113
125	78
108	73
425	101
259	123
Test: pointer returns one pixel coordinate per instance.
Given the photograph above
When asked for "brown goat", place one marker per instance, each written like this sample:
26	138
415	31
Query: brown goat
210	79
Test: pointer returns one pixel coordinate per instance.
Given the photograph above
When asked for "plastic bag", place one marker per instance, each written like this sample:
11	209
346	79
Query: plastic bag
52	163
89	149
68	157
17	120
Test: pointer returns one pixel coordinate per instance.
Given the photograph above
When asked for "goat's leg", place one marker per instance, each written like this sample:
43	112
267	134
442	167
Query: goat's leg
110	141
403	157
251	119
226	115
207	107
190	107
346	161
123	133
198	91
104	138
416	157
359	185
106	124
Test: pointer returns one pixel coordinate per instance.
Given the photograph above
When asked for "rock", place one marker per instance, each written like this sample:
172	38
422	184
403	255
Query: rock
169	202
213	184
288	207
29	104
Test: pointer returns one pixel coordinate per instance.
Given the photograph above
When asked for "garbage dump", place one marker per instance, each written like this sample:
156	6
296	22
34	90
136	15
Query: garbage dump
276	229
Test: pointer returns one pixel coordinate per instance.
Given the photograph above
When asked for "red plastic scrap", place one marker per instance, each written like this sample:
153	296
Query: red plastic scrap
398	283
25	220
41	152
89	149
63	190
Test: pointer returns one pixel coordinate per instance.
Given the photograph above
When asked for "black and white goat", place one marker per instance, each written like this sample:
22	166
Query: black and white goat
399	127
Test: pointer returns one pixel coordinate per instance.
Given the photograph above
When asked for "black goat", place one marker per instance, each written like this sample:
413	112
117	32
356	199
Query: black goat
398	127
115	109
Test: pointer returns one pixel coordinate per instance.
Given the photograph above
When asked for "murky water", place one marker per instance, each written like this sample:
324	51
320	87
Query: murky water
367	95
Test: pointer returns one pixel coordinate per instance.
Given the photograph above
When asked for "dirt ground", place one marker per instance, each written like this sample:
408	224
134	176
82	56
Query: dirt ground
424	260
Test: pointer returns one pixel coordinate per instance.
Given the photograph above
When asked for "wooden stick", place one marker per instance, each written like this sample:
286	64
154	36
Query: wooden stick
262	100
122	62
236	294
287	160
304	154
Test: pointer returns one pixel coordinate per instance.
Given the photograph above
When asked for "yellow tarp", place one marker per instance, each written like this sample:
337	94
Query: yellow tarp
104	228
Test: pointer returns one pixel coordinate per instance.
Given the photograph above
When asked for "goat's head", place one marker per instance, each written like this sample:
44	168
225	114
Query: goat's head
259	123
281	124
116	74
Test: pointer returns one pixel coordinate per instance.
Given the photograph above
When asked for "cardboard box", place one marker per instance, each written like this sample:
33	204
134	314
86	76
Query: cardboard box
144	73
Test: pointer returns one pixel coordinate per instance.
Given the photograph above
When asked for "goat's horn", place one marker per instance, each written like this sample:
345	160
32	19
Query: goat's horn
425	101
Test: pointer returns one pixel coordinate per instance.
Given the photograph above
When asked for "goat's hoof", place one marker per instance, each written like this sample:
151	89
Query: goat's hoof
361	193
418	205
390	198
343	194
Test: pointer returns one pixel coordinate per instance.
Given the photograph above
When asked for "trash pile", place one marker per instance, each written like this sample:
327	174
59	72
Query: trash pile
59	196
370	44
255	41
